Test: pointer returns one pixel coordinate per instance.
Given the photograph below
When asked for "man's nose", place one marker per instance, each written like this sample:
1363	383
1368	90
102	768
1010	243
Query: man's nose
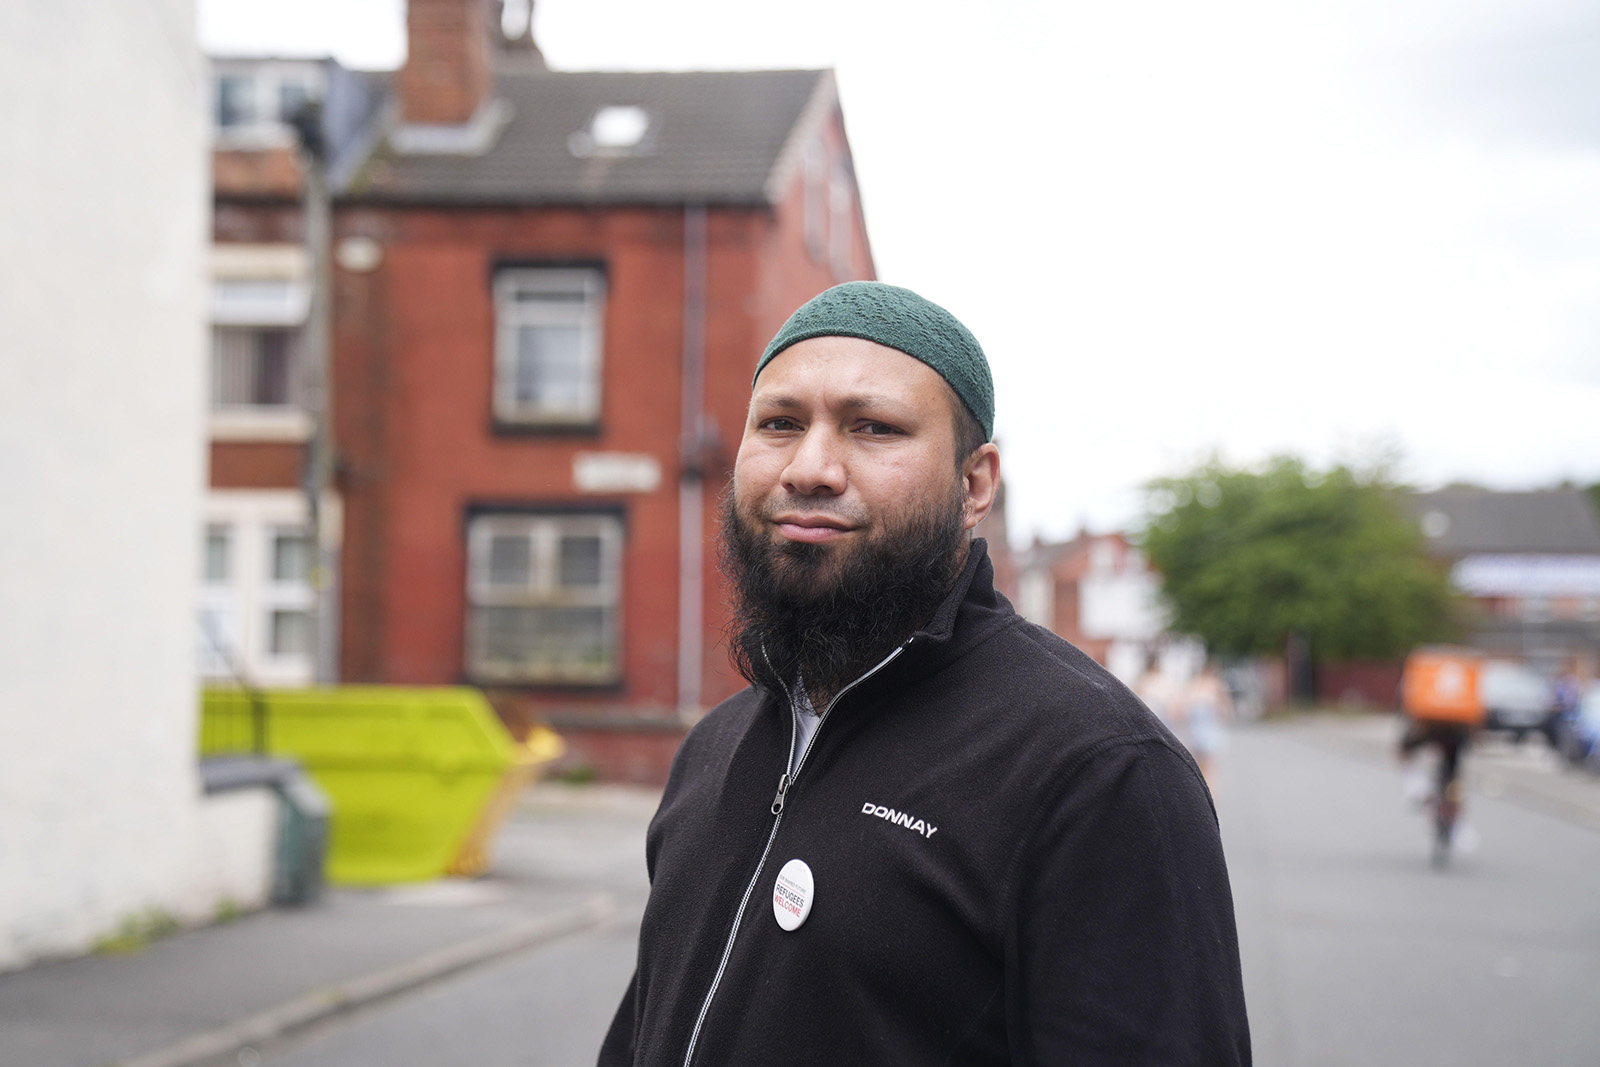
817	465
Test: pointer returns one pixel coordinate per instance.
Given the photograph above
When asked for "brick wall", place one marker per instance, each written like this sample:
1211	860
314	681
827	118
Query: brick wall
1360	683
256	465
447	72
257	172
636	756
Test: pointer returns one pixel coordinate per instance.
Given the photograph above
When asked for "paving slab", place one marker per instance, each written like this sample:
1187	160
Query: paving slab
183	998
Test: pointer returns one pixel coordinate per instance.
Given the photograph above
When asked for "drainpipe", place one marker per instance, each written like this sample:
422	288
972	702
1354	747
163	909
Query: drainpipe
691	479
318	388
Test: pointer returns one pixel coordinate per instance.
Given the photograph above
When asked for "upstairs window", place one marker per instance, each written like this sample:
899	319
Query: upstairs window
254	368
236	101
260	298
253	101
543	596
292	96
548	345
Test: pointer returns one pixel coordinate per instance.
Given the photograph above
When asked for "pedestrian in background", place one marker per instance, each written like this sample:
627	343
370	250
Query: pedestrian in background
1207	708
1159	693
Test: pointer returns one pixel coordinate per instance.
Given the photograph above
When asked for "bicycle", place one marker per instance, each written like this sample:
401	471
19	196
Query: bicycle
1444	801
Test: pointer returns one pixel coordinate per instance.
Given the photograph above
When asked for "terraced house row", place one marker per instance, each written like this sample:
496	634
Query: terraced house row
547	291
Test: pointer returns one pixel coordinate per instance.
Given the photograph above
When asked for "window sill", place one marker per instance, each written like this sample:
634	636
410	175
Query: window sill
252	136
488	679
263	424
545	428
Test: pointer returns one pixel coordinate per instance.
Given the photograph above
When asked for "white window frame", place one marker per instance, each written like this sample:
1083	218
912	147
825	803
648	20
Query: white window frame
544	531
284	594
242	605
217	617
259	287
266	79
588	317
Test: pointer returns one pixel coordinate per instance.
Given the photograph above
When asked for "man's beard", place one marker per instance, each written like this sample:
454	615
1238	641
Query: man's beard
823	613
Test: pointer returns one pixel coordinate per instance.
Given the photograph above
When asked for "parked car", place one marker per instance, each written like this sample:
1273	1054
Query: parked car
1578	733
1516	700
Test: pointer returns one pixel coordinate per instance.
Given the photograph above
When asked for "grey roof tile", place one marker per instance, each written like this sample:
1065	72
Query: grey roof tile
715	136
1554	521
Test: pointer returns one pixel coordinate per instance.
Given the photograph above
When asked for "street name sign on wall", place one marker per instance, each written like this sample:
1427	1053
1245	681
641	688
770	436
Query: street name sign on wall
615	472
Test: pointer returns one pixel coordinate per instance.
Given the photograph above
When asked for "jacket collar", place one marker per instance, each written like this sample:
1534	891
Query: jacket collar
977	577
966	615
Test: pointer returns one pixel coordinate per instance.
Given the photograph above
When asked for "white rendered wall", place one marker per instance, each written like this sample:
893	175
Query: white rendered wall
103	218
233	852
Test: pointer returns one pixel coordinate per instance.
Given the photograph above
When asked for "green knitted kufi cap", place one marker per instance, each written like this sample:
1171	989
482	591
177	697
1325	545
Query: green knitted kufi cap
902	320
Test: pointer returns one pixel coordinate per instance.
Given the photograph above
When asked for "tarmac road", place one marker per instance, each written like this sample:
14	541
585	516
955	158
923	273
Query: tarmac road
1356	951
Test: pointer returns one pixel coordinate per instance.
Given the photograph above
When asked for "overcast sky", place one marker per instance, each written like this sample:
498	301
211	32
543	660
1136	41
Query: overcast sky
1249	226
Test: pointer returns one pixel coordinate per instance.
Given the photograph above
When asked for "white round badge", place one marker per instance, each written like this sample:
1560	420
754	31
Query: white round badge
793	894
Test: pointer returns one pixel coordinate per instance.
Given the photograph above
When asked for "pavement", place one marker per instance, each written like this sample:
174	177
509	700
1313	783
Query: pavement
211	995
568	862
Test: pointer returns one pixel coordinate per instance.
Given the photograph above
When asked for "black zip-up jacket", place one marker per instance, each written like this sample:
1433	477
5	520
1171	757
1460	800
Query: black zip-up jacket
1014	863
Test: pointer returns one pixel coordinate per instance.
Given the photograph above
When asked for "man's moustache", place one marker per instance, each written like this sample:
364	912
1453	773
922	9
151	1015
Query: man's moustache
812	505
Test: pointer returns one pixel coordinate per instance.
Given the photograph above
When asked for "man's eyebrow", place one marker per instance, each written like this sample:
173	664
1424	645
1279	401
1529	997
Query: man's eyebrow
776	400
854	402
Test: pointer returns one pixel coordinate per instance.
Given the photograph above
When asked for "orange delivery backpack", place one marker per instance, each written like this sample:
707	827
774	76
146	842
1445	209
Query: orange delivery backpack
1441	685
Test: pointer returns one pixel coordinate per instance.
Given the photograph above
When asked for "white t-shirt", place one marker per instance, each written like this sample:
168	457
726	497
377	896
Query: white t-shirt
808	719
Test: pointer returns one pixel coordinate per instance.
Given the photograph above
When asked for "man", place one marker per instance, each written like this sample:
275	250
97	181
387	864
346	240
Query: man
929	832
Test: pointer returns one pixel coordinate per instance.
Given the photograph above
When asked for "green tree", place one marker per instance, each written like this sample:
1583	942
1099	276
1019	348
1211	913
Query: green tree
1249	557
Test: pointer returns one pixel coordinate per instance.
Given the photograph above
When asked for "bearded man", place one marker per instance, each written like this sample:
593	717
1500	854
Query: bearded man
930	832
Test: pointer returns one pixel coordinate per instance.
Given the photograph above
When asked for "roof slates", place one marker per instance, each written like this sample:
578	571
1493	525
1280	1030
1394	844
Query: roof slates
714	136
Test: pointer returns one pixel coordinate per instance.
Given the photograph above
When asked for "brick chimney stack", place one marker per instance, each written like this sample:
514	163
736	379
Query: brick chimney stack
448	71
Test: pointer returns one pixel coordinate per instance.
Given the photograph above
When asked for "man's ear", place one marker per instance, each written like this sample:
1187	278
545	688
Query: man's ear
980	478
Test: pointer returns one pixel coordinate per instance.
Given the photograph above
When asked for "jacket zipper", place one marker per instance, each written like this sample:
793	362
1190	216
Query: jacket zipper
784	782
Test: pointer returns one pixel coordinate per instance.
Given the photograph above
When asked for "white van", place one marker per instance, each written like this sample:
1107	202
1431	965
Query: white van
1516	699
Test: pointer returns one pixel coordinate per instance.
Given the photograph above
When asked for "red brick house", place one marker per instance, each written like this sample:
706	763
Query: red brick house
550	292
1097	591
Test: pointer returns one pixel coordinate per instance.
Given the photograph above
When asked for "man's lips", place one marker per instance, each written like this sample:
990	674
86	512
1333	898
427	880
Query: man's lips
811	528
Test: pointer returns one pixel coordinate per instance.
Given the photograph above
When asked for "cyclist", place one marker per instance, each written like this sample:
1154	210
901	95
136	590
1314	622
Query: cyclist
1439	693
